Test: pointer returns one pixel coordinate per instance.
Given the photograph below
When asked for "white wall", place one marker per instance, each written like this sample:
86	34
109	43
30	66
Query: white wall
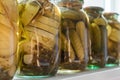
117	7
99	3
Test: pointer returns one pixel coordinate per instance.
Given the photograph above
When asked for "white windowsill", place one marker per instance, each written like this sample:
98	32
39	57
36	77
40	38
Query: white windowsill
101	74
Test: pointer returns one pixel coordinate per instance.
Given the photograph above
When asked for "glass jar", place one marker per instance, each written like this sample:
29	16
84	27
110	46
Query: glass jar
40	38
74	38
8	38
113	29
98	35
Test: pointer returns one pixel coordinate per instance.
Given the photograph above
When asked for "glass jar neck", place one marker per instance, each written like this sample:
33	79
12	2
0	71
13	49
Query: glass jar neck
111	16
71	4
94	11
34	0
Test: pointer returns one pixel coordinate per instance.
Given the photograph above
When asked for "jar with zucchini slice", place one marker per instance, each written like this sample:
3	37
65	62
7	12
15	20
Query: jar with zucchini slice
39	46
98	35
113	30
8	38
74	37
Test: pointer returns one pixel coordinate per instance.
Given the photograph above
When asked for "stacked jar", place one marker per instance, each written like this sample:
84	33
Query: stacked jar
8	38
98	35
40	33
113	28
74	36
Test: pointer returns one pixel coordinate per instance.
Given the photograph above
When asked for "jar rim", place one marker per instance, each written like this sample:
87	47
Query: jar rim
111	13
96	8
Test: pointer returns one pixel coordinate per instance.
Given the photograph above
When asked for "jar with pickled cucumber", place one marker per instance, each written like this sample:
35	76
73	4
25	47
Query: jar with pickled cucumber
74	36
98	35
39	46
8	38
113	30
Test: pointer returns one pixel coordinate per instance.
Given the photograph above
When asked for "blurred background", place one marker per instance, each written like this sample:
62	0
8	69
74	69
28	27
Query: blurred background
108	5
